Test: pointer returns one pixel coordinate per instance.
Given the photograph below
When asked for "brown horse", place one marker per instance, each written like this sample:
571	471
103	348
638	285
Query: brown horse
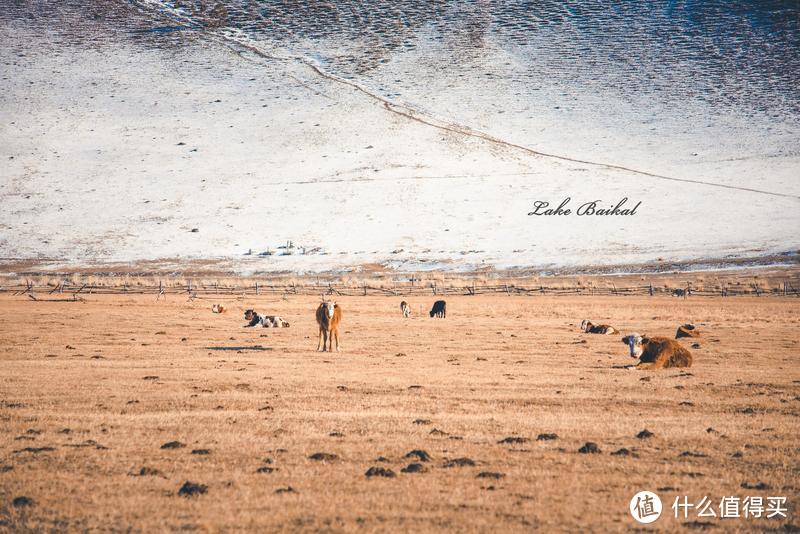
329	315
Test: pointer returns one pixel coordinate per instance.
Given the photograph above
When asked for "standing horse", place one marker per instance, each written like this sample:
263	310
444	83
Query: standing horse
329	315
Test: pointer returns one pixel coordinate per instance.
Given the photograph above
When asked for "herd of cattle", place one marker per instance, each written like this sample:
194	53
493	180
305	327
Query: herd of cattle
652	352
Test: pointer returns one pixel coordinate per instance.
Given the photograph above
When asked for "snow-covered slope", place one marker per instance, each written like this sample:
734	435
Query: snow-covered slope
231	147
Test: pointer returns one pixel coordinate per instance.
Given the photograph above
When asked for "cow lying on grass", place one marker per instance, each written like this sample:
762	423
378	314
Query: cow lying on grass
266	321
590	328
657	352
687	330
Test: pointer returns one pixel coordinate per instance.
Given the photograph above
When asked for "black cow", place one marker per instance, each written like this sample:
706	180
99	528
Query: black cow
439	309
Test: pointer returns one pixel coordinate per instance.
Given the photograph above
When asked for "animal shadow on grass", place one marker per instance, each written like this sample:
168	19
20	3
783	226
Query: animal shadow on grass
251	347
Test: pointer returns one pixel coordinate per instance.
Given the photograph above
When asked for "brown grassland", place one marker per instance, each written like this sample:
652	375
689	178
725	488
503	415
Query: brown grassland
91	391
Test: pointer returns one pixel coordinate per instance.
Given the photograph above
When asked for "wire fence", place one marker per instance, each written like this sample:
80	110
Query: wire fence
788	288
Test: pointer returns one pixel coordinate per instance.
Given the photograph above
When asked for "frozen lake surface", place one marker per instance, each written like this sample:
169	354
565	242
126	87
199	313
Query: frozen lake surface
412	134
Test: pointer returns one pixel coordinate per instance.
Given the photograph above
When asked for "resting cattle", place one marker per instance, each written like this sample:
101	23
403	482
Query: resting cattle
218	308
267	321
657	352
329	315
591	328
687	330
439	309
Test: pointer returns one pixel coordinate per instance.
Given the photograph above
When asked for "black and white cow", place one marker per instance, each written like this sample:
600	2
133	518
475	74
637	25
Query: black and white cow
266	321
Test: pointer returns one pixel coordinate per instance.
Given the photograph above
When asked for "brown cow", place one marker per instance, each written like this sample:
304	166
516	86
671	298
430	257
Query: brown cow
329	315
687	330
657	352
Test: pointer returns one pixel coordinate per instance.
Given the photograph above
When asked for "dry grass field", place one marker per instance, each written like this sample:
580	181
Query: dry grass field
92	392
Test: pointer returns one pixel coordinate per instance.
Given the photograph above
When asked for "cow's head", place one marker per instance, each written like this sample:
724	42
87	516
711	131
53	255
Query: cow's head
329	307
248	315
636	343
585	325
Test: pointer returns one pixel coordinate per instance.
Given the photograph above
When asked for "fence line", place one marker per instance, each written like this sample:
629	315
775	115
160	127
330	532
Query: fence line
194	290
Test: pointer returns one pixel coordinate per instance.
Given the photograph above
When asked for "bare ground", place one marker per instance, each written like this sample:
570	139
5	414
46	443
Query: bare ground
91	392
